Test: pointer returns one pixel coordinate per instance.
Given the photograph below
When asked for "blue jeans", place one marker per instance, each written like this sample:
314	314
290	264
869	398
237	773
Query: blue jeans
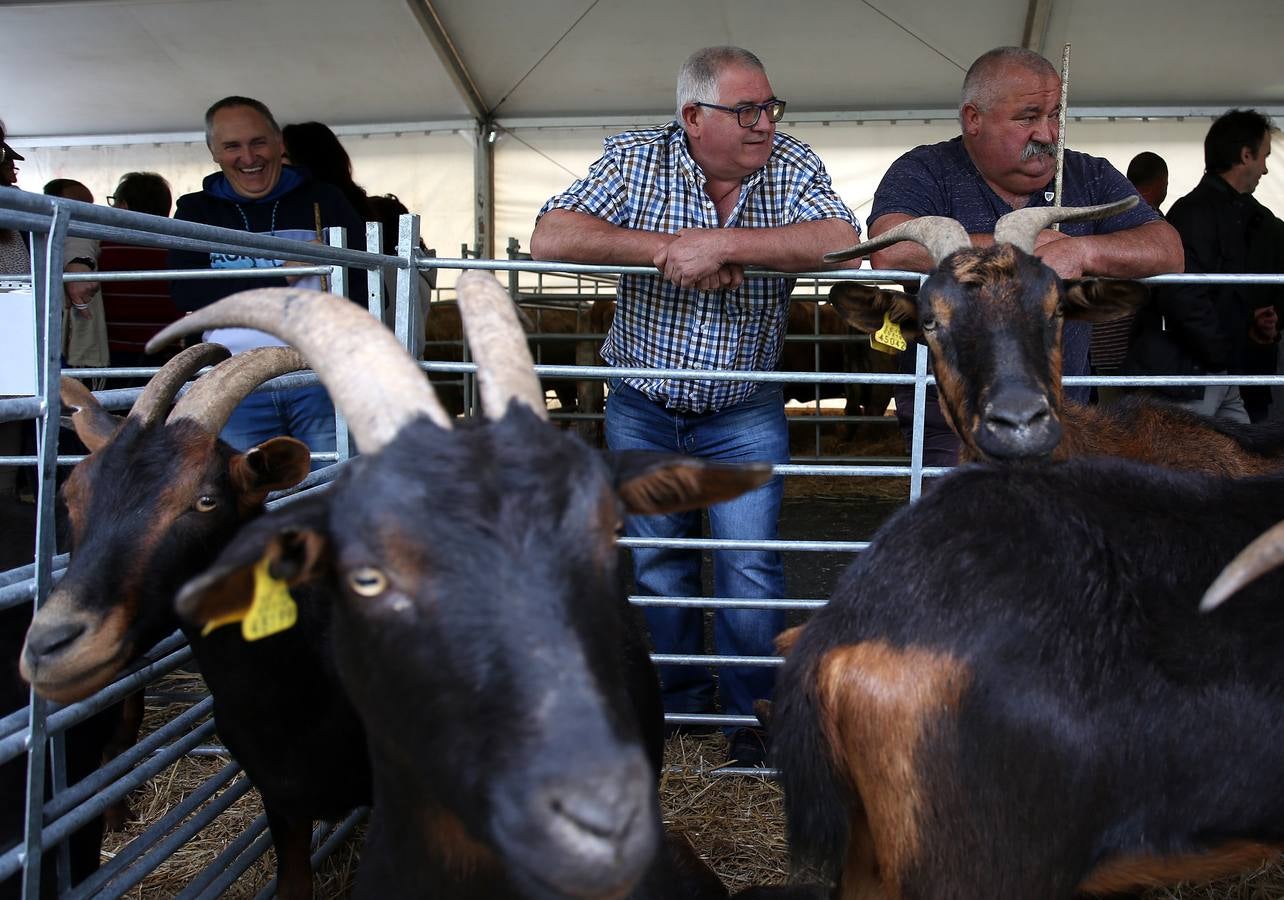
305	413
752	431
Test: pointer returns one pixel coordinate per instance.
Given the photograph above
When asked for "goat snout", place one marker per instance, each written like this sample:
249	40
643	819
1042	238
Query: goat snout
1018	422
584	834
51	640
70	653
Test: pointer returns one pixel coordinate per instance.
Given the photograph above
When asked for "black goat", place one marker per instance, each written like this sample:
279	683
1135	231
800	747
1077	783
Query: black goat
1012	694
482	629
992	318
151	507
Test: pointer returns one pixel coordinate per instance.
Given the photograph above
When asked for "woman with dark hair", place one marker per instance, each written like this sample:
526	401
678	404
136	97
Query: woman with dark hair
315	147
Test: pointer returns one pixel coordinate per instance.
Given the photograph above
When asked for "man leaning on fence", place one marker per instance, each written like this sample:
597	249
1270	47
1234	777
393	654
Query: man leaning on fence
1005	159
254	191
700	198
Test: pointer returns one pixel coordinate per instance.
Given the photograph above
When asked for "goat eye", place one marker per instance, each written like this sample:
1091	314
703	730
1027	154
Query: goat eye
205	503
367	581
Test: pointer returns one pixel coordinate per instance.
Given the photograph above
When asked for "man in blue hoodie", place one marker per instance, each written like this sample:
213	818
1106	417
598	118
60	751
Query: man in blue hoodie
256	192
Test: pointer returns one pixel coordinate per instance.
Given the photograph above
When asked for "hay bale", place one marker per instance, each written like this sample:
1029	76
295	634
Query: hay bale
735	823
172	785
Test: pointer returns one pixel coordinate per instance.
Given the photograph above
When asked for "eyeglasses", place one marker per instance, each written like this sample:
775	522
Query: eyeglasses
747	114
111	199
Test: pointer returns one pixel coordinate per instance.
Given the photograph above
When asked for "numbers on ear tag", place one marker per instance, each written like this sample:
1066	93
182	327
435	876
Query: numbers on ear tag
273	609
888	338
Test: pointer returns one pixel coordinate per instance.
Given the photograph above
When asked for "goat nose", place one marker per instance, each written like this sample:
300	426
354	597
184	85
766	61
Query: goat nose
1018	410
50	640
598	808
1018	422
583	830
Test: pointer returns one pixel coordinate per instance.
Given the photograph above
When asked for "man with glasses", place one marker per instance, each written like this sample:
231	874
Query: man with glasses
1005	159
699	199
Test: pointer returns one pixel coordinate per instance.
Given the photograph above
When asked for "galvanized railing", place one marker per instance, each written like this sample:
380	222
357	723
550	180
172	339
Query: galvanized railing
28	731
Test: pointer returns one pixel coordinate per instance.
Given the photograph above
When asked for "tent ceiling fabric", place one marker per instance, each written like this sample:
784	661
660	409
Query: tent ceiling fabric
151	66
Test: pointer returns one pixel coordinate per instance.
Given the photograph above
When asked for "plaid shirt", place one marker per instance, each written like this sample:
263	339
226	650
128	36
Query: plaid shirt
647	180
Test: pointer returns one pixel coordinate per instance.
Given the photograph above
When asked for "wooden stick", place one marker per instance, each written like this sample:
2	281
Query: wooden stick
1061	127
316	217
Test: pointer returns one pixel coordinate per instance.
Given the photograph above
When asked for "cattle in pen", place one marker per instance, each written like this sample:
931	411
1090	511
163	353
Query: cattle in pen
548	329
151	506
482	631
1012	693
992	319
840	349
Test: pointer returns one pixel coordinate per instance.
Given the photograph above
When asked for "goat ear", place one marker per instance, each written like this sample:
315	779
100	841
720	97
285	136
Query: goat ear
93	424
293	539
786	639
655	483
1104	299
275	464
863	307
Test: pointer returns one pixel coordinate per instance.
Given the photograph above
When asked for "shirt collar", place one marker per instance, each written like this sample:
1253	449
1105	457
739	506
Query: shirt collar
690	171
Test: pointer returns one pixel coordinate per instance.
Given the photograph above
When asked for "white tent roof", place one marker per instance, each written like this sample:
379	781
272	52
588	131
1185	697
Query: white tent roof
102	87
130	67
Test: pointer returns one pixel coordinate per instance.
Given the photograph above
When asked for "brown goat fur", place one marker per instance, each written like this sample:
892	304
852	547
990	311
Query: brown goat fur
992	319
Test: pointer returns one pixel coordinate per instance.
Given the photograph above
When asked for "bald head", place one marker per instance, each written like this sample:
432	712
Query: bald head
69	189
984	83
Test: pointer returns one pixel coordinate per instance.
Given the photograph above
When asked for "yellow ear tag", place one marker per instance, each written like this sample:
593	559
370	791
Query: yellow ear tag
272	609
888	339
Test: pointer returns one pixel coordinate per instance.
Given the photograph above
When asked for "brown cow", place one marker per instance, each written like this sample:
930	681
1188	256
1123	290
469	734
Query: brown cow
444	343
807	318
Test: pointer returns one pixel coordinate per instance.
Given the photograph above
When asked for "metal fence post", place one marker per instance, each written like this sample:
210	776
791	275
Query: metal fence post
46	274
407	312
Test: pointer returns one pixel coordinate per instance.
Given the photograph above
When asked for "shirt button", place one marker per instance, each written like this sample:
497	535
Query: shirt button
708	203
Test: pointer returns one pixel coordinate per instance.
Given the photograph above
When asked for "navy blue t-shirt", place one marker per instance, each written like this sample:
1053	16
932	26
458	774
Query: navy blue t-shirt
941	180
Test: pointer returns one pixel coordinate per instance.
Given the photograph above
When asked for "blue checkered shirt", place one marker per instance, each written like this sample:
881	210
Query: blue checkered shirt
647	180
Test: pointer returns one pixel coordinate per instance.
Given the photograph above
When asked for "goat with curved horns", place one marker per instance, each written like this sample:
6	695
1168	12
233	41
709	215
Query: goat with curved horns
992	318
150	507
512	712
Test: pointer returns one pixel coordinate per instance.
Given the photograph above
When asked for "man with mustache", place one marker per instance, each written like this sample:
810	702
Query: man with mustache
1005	159
699	199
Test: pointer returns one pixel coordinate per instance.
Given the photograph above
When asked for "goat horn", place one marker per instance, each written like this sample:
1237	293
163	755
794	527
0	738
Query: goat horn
368	374
1021	227
1258	558
210	401
505	370
941	235
154	401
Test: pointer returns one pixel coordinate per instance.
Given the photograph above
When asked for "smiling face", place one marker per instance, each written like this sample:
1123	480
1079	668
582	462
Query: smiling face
1013	140
722	148
248	150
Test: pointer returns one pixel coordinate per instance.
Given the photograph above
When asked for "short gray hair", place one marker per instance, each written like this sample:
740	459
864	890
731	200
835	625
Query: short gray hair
981	82
229	102
698	77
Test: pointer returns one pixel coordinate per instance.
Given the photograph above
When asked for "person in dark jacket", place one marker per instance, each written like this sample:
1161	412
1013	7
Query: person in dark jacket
1195	329
255	191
